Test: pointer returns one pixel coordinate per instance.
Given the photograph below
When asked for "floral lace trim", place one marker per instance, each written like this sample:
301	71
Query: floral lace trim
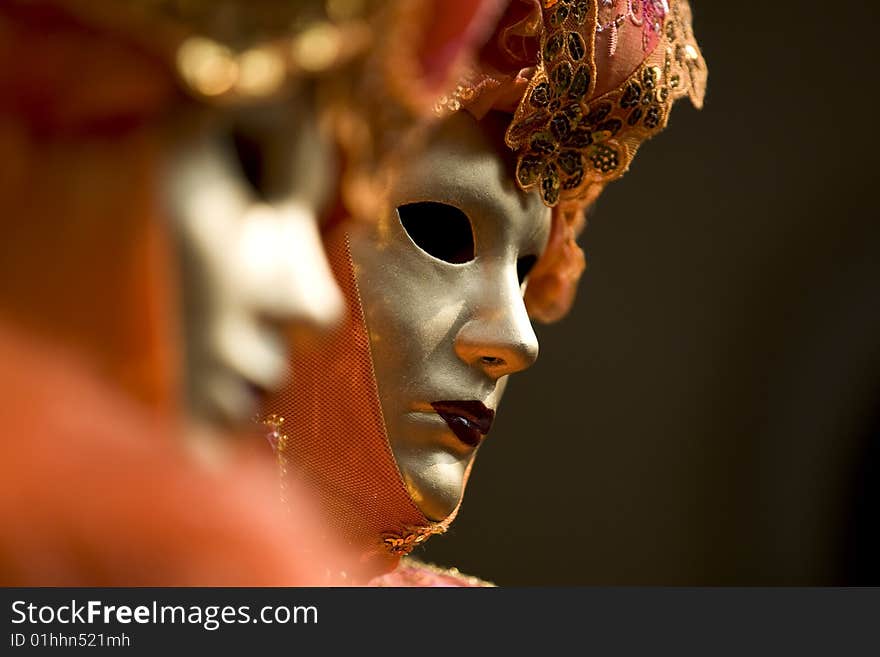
568	146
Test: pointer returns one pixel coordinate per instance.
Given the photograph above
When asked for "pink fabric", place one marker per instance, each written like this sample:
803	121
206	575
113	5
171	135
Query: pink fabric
506	61
411	574
454	30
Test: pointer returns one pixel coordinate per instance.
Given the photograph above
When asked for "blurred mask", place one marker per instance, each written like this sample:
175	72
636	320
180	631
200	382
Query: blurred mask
246	195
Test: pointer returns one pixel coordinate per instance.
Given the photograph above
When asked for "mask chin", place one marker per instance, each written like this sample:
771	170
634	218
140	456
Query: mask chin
435	484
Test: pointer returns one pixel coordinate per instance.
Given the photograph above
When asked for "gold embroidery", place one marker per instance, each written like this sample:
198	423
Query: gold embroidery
570	147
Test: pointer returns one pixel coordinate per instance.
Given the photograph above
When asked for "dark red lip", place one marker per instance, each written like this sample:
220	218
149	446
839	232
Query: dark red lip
469	420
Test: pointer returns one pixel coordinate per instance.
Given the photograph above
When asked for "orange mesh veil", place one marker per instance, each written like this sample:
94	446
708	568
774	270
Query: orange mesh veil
331	435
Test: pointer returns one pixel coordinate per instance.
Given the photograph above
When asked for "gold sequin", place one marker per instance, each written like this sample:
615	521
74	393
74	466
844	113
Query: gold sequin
208	67
317	47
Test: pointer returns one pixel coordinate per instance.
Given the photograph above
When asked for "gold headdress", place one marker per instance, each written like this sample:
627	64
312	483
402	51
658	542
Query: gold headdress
234	52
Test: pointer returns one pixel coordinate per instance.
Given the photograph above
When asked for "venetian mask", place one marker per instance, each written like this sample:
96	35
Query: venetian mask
245	196
441	279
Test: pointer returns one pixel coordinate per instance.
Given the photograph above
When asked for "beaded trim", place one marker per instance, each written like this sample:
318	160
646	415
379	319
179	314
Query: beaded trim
402	543
278	441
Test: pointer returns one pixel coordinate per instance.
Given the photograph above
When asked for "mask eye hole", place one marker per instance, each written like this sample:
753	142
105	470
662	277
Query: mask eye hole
250	158
524	267
440	230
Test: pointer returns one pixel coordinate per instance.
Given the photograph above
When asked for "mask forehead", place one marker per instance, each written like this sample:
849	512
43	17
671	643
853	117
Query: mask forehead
467	165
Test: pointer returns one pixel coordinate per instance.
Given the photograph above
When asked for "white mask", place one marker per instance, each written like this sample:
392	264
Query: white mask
253	264
441	280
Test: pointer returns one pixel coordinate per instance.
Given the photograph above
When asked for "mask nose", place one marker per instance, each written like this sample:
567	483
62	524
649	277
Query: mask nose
298	286
499	339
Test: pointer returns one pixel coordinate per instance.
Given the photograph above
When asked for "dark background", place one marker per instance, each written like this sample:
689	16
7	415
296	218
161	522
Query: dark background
708	413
